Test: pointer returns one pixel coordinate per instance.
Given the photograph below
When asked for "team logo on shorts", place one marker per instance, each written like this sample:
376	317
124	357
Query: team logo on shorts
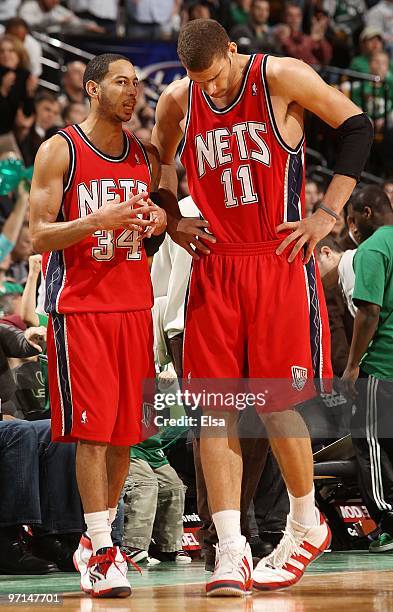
299	377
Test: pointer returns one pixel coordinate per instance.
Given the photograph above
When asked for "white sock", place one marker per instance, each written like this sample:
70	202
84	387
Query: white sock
99	529
112	514
302	509
227	523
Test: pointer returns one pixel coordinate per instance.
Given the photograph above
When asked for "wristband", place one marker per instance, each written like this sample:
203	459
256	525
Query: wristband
329	211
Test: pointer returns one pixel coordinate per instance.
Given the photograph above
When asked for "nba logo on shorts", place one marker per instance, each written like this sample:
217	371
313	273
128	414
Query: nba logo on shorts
299	376
84	417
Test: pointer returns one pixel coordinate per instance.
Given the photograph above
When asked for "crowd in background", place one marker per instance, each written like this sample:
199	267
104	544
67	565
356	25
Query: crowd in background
348	34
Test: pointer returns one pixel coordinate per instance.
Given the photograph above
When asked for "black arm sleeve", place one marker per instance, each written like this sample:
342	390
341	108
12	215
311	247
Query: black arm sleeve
153	244
355	139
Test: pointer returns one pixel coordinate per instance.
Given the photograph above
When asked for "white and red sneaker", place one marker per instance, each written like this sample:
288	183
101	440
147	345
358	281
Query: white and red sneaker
232	574
81	560
108	573
287	563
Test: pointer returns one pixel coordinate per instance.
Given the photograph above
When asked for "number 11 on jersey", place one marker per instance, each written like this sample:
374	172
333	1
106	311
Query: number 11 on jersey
248	192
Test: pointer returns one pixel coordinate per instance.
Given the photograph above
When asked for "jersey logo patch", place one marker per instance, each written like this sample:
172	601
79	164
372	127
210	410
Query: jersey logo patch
299	377
254	89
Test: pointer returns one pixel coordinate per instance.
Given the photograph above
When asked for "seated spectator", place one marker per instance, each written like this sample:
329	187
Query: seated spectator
371	42
153	505
103	12
74	112
198	9
238	12
12	226
19	267
376	98
17	84
314	194
38	489
149	19
313	48
51	17
8	10
380	16
46	124
255	36
338	281
72	85
18	27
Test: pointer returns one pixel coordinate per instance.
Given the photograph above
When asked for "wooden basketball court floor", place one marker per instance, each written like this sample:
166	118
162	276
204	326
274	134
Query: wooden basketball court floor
350	582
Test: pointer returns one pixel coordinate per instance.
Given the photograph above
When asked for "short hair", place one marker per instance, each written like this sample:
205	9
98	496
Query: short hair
98	67
330	242
16	22
372	196
45	96
7	304
200	41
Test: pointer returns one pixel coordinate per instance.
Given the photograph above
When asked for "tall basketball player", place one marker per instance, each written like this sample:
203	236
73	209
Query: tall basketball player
255	305
89	213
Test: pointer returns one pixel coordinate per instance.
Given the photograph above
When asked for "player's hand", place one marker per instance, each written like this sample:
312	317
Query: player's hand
157	223
308	231
35	265
133	214
190	233
348	380
36	336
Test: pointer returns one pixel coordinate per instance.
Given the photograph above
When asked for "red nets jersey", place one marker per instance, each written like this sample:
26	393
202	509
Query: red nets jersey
107	271
243	177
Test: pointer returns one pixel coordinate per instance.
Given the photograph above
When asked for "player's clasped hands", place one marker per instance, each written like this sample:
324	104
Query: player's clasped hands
138	213
191	233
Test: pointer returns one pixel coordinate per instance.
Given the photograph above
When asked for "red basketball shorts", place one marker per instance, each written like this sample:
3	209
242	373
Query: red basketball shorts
251	314
97	363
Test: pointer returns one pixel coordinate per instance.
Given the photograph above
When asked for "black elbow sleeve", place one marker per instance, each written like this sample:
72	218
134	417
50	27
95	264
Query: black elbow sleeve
153	243
356	136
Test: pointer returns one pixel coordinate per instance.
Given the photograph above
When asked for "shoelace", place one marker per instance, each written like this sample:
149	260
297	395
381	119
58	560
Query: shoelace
287	547
109	556
236	556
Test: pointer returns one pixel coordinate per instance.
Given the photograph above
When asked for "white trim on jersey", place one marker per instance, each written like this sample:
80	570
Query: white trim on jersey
188	118
222	111
276	132
72	164
108	158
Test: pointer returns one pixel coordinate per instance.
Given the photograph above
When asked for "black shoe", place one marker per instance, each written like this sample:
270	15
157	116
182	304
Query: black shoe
56	549
15	558
266	543
209	555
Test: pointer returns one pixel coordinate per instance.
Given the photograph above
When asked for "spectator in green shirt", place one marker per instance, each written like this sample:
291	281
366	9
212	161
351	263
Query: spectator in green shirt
376	99
371	42
370	362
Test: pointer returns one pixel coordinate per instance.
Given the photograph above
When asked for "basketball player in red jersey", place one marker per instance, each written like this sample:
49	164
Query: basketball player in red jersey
89	213
255	306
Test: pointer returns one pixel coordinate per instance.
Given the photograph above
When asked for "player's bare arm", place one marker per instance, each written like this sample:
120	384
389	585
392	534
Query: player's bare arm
297	86
50	170
167	134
